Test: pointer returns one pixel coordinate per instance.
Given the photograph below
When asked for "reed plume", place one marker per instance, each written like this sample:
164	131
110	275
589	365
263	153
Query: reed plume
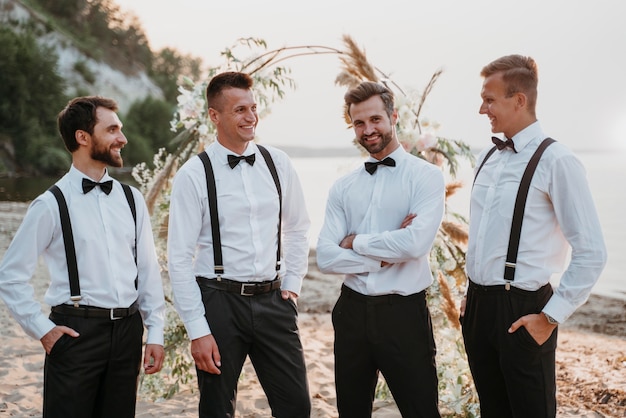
448	305
457	232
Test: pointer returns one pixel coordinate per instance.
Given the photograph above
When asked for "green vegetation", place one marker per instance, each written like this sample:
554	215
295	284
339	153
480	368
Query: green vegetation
32	92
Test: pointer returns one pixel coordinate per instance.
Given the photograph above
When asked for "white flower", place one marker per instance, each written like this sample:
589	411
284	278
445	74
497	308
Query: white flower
426	141
203	129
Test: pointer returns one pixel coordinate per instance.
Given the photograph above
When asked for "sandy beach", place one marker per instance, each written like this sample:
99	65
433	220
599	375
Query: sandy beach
591	358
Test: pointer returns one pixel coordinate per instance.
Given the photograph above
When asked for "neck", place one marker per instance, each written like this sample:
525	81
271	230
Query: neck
387	151
93	169
238	148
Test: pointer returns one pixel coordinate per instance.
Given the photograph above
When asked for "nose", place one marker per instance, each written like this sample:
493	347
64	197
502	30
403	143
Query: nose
251	115
122	138
368	129
483	109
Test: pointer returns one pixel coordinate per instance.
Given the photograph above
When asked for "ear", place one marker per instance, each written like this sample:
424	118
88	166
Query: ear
213	115
521	100
394	117
82	137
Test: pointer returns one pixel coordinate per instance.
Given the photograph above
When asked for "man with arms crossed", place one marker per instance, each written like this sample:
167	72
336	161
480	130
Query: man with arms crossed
380	224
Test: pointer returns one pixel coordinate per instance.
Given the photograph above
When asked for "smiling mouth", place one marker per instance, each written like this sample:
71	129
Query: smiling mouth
371	138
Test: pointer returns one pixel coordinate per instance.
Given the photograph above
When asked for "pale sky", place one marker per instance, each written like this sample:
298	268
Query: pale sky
580	48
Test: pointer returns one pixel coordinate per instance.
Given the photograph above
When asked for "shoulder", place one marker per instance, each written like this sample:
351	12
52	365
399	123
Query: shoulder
192	168
420	166
135	192
346	181
278	156
281	160
559	154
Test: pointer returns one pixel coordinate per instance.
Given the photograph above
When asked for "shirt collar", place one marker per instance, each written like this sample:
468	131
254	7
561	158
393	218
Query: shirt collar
221	152
527	135
76	177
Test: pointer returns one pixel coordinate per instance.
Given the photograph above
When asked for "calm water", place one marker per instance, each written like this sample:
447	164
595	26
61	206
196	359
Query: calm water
606	173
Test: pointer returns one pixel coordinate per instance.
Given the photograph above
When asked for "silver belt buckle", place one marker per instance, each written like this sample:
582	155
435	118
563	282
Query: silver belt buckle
243	289
113	318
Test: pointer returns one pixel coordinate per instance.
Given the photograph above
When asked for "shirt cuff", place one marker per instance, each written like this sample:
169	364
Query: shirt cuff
292	284
197	328
41	326
558	308
155	336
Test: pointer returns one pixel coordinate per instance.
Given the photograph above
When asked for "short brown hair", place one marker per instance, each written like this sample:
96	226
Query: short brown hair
364	91
226	80
519	74
80	115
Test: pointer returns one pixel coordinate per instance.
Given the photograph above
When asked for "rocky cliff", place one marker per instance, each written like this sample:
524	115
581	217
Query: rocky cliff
103	79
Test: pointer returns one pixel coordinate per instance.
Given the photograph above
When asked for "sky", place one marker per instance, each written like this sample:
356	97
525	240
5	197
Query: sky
580	48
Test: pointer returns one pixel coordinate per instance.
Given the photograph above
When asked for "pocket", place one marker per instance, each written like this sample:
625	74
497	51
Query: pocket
60	345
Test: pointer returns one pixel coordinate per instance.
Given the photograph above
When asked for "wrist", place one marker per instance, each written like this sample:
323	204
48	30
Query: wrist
550	320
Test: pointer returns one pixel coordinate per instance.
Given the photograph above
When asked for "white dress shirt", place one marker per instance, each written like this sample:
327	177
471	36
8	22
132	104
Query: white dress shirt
248	207
104	238
559	210
373	207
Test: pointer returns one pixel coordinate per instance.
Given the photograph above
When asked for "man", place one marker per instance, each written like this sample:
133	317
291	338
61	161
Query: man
104	275
510	318
380	224
233	286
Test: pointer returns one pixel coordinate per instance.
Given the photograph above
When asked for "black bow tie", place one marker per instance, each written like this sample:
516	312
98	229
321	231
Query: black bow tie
105	186
372	166
503	144
233	160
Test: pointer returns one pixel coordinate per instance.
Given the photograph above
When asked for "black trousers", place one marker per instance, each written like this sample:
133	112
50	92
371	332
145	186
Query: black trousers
514	376
95	374
391	334
265	328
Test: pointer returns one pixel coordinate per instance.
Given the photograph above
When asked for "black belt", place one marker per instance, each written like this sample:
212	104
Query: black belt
95	312
504	288
241	288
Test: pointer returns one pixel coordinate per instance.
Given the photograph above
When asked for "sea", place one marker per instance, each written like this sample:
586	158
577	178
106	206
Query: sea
606	173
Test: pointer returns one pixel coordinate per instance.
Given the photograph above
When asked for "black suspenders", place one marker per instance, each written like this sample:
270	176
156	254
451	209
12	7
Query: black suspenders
215	223
68	238
520	206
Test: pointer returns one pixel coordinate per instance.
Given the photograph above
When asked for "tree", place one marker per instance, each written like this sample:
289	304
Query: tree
31	94
168	66
147	128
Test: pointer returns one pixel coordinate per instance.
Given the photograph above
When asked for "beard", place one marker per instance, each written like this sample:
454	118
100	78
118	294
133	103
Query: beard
104	153
385	139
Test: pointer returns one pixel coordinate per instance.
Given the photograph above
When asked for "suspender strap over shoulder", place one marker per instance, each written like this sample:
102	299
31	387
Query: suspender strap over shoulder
215	223
68	241
68	238
272	168
131	203
491	151
520	207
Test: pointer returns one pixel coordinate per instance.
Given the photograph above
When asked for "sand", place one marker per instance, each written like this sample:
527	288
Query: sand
591	358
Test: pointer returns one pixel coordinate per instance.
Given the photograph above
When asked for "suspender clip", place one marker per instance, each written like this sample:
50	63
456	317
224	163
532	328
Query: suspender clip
507	286
76	299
